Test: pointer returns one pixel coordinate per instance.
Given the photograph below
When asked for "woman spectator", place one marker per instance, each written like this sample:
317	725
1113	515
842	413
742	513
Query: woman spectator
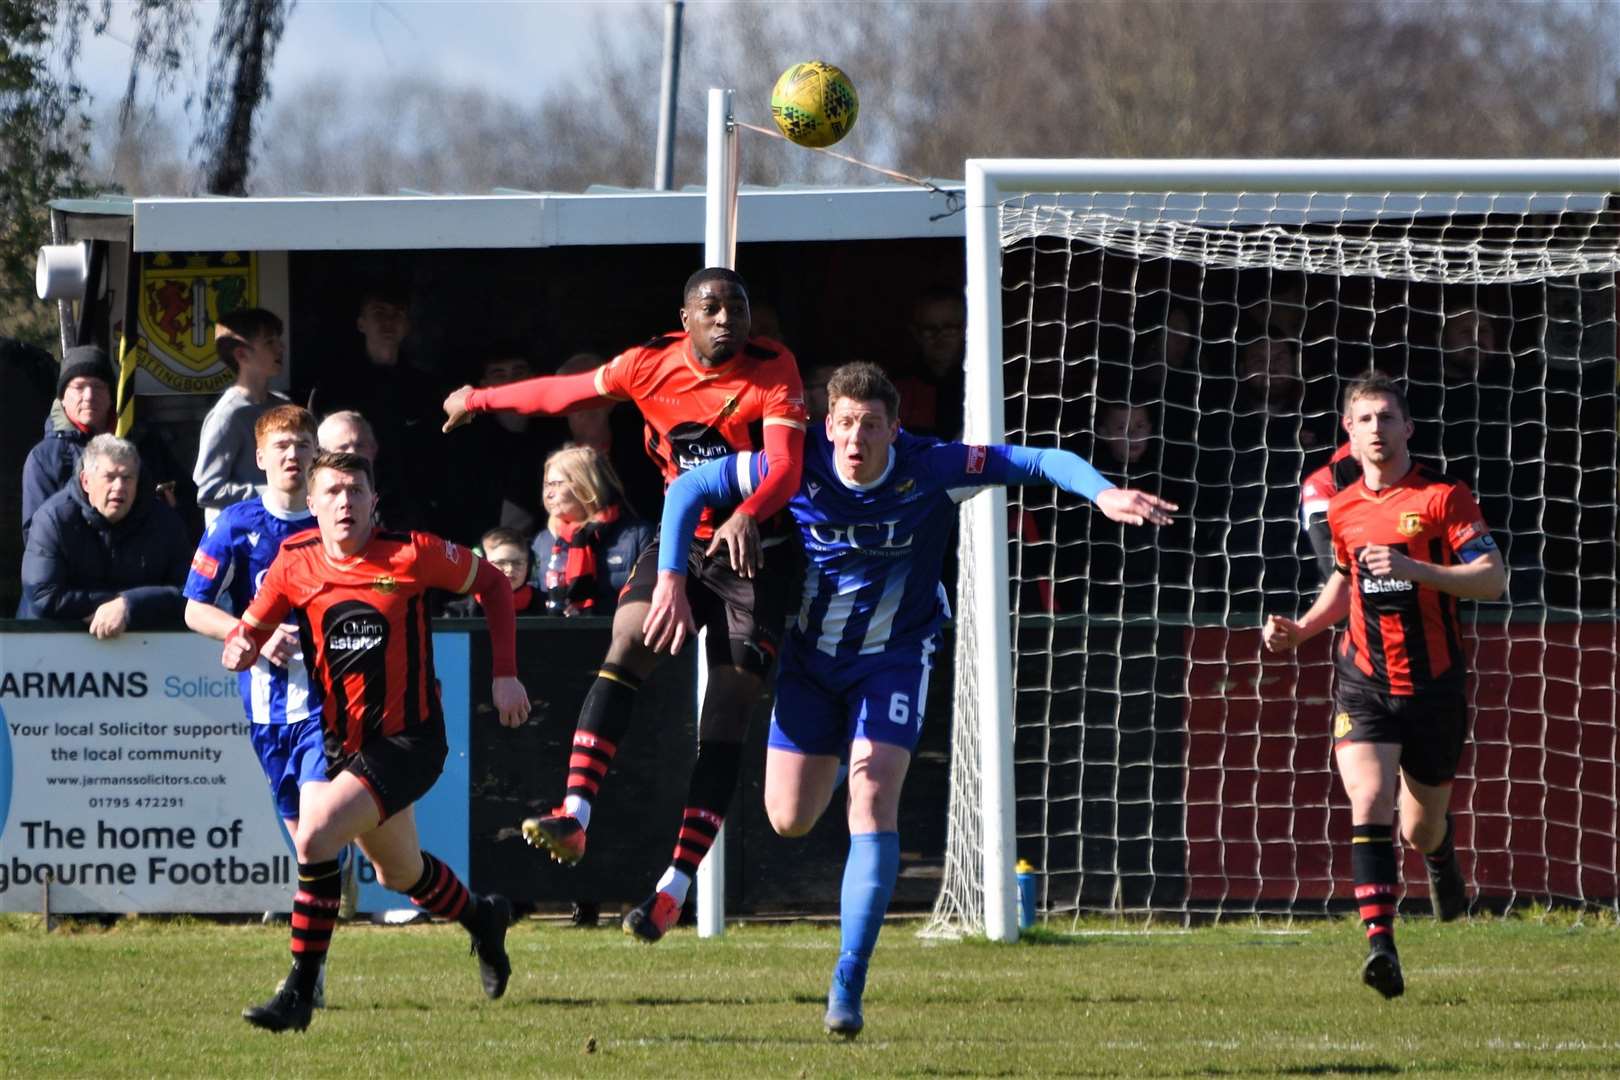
591	539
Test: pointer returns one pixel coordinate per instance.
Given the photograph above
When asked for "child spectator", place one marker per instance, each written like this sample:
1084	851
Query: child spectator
249	343
507	551
591	540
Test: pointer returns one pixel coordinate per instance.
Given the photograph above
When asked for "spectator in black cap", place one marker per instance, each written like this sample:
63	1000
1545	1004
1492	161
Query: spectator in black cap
84	393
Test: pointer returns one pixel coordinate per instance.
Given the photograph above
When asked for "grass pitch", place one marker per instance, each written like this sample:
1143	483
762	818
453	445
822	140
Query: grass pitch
1514	997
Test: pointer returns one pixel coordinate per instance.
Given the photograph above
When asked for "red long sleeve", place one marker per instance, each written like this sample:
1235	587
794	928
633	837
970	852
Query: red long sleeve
548	395
494	594
784	453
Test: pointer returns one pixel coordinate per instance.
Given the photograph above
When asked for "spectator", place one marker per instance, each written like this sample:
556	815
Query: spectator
348	432
765	321
104	550
496	456
590	542
507	550
1123	434
815	390
931	396
84	391
249	343
617	435
400	401
1101	566
1269	439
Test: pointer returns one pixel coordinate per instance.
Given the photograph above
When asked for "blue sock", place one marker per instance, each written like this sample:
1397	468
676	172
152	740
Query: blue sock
869	873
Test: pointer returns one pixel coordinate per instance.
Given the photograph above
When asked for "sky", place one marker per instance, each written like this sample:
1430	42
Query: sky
518	48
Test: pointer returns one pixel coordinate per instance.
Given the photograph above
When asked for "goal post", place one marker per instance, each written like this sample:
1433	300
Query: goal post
1382	249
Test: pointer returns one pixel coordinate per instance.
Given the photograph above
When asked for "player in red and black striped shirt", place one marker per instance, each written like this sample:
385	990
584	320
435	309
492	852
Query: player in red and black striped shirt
705	392
357	595
1408	543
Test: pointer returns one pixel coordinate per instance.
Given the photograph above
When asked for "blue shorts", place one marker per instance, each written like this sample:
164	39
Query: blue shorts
291	755
823	703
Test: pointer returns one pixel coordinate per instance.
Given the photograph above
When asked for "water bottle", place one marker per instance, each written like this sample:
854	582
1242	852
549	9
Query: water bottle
1026	894
555	579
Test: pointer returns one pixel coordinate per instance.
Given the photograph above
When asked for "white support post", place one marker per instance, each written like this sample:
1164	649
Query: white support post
985	525
719	249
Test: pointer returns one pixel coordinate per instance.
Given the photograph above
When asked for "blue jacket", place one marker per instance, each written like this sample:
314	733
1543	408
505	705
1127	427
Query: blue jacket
54	461
76	560
622	542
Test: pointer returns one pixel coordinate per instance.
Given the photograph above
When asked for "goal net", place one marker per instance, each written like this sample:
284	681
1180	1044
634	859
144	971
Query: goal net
1188	327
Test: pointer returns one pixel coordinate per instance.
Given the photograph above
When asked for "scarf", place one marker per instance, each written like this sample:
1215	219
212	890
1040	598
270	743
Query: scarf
571	587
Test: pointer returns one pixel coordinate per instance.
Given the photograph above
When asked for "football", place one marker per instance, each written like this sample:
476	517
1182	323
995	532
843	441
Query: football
814	103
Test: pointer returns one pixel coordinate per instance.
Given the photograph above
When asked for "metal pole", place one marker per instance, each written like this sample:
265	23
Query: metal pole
719	249
66	325
984	518
669	84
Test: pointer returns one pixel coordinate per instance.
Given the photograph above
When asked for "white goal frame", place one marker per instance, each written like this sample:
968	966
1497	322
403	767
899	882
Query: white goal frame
984	517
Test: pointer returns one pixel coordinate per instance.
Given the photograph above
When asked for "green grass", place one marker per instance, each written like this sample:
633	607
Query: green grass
1515	997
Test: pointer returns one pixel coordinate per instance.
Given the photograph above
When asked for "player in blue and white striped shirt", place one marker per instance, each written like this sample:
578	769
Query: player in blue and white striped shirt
875	509
282	704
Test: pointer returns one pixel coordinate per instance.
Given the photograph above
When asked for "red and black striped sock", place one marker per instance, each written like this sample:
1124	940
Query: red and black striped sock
1372	865
603	720
439	892
714	778
314	915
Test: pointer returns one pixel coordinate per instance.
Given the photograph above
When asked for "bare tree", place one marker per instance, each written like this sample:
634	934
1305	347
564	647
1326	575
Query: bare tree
940	83
244	45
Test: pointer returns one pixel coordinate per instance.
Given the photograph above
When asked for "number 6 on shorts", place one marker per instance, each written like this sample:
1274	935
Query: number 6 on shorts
899	709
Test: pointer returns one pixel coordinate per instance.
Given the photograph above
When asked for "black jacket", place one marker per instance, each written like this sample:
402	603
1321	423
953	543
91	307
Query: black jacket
53	465
76	560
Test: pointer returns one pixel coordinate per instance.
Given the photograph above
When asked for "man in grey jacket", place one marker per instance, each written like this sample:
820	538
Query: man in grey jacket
249	342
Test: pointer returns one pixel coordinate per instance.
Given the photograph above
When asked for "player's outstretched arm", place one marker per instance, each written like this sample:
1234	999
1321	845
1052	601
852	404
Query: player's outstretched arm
545	395
1070	472
1280	633
724	482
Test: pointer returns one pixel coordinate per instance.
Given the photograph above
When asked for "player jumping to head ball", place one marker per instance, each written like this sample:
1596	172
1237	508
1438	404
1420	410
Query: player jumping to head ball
875	511
1408	543
702	392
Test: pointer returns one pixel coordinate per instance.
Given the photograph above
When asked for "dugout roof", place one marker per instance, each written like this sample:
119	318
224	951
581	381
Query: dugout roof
517	219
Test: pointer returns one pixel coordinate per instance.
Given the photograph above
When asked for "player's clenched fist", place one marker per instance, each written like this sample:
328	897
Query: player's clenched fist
1382	561
511	701
456	412
1280	633
240	650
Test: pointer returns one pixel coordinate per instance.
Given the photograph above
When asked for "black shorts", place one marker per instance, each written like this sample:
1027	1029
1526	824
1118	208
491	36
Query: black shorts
397	769
745	617
1430	726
